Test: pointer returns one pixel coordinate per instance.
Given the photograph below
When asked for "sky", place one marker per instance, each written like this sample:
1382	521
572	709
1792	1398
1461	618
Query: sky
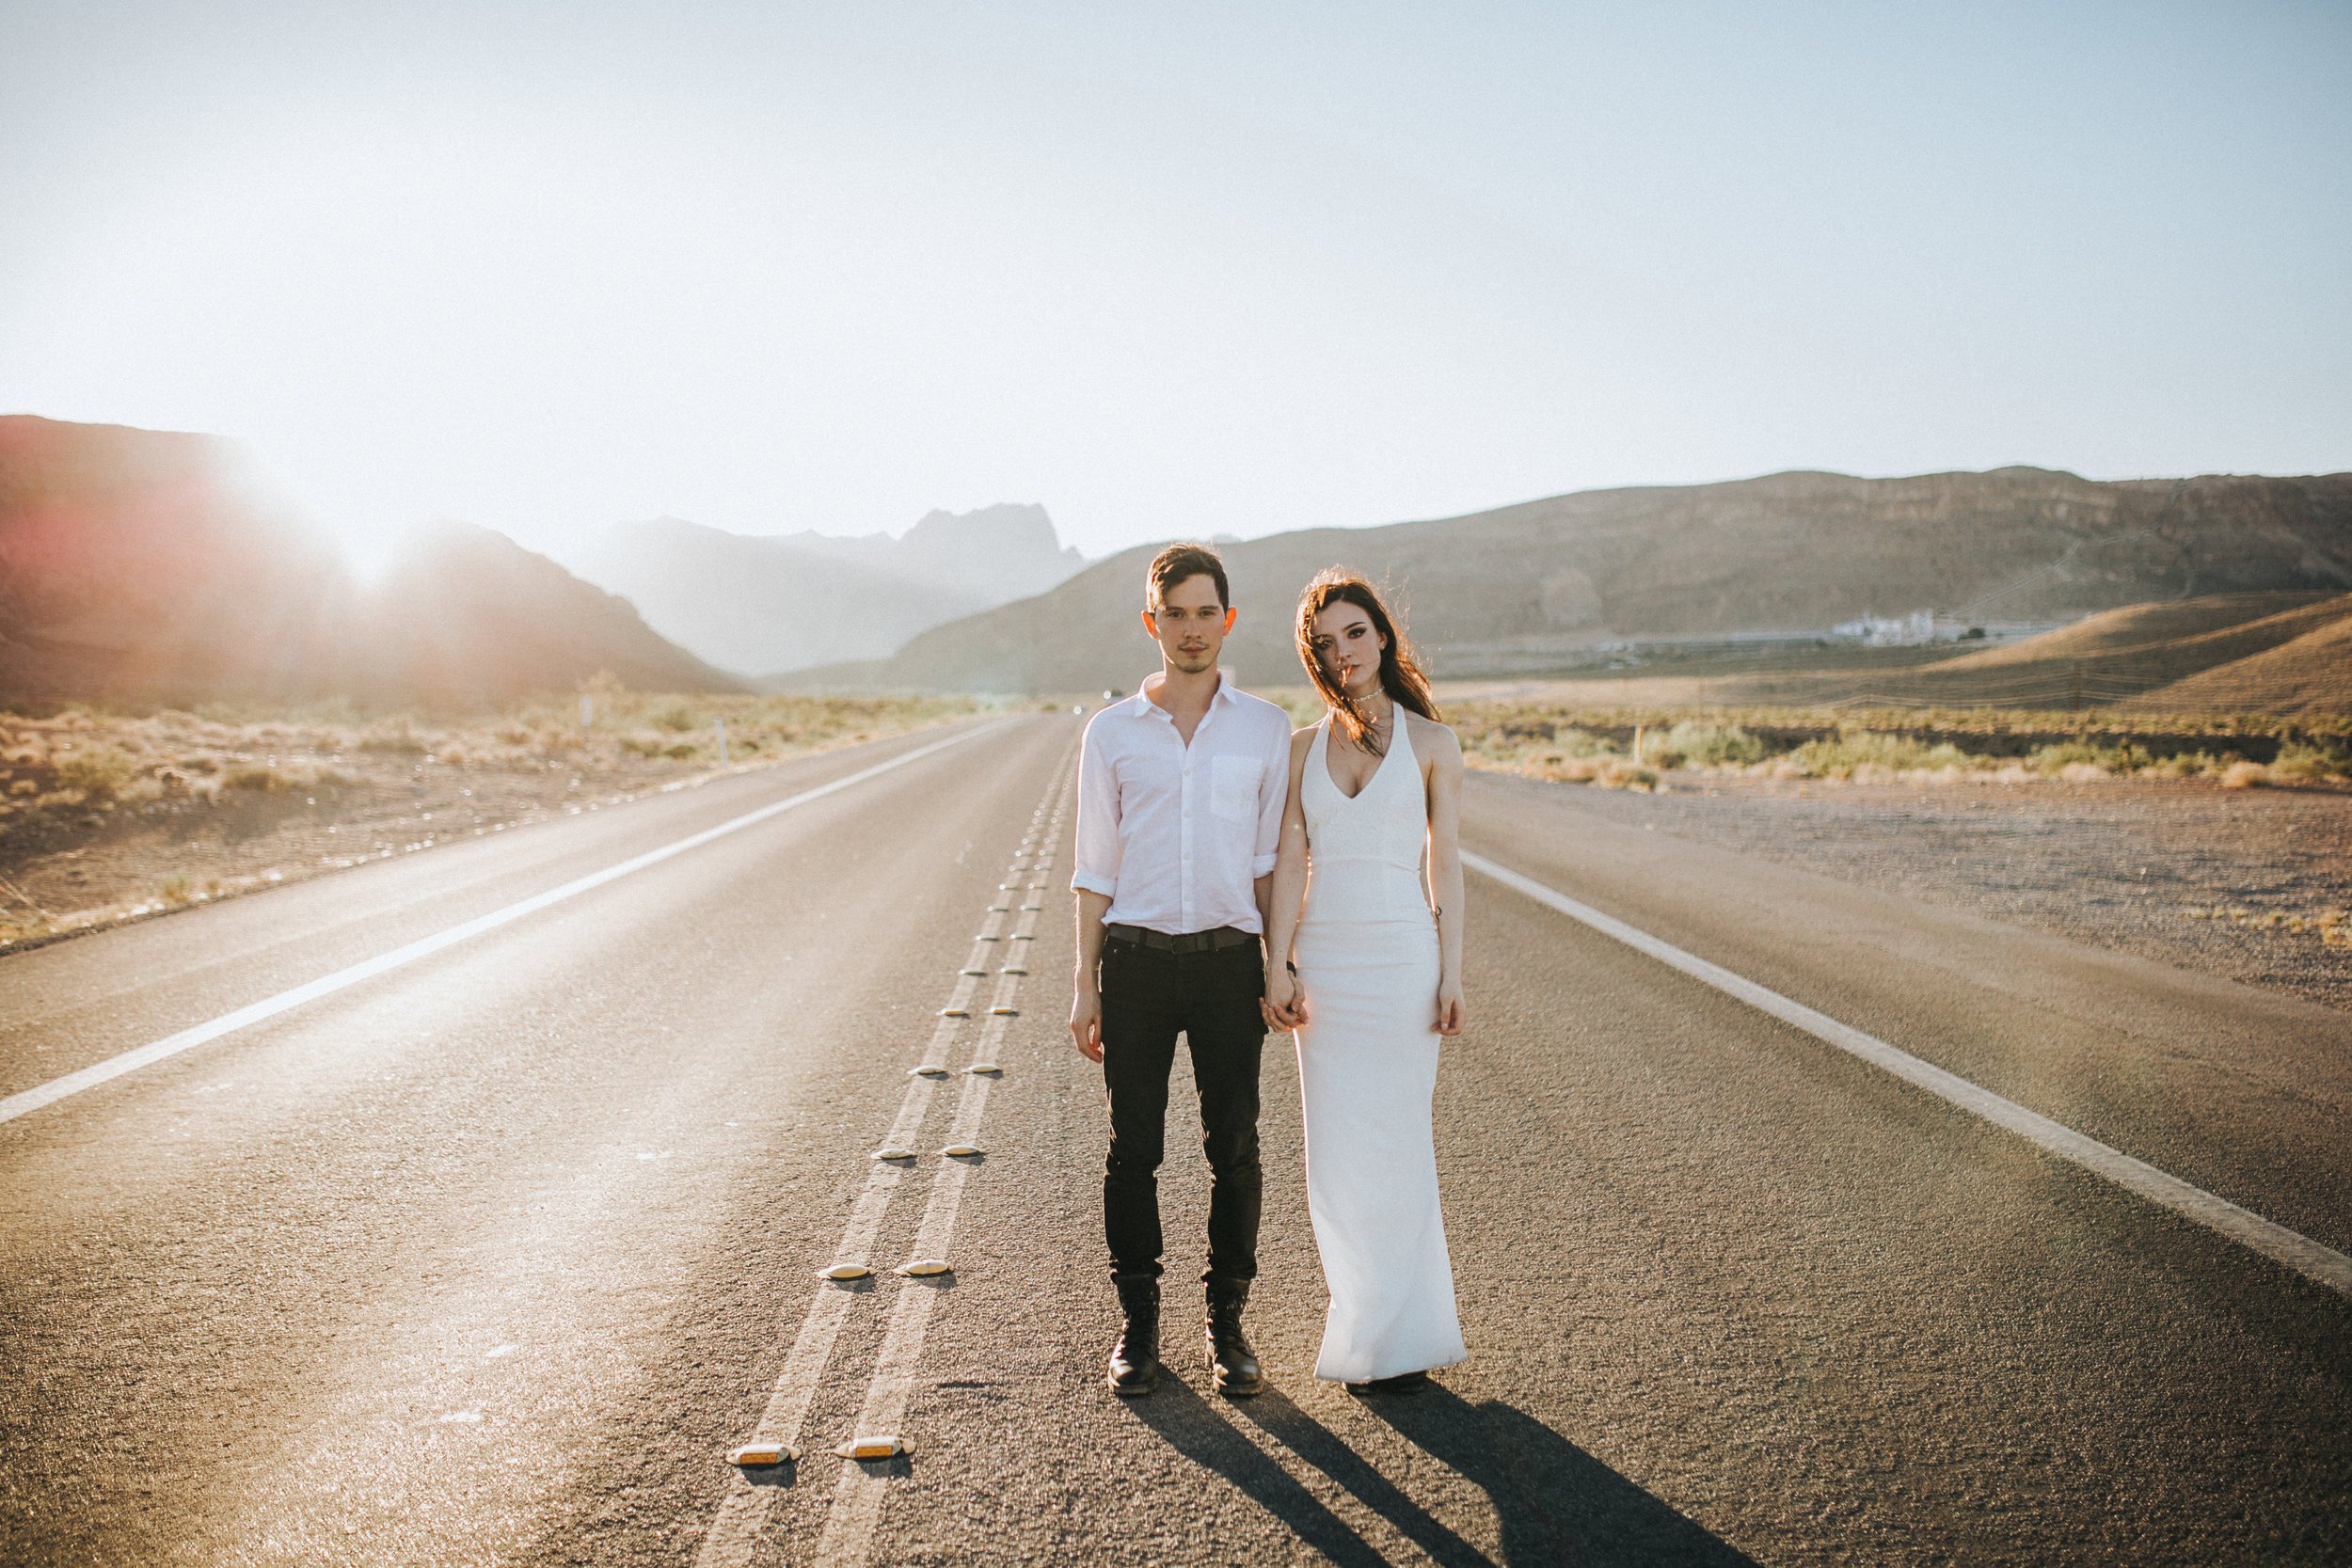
1171	269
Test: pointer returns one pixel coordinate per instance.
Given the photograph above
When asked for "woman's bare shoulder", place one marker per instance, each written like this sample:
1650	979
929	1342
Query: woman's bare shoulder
1431	739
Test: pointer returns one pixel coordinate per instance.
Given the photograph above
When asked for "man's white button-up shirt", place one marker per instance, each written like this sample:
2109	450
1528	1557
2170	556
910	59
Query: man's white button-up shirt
1174	836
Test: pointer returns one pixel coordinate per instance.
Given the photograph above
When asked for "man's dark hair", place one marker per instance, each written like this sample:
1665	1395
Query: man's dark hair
1175	563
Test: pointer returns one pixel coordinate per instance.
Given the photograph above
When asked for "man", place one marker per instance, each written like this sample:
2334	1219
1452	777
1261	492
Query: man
1180	809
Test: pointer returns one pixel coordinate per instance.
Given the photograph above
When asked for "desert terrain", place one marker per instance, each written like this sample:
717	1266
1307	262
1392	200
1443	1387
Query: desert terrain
112	817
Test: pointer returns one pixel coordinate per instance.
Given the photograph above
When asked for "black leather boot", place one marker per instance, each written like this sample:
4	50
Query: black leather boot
1230	1358
1134	1367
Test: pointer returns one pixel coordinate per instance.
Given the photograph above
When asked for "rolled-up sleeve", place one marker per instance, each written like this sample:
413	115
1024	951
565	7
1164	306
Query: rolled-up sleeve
1272	795
1096	868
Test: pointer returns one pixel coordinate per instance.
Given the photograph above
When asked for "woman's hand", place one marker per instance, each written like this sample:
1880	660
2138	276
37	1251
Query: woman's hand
1451	1013
1284	1004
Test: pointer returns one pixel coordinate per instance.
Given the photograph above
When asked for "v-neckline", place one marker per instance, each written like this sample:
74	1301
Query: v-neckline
1370	778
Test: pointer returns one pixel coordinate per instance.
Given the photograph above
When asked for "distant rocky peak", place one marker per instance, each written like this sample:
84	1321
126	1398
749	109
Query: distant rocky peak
1006	525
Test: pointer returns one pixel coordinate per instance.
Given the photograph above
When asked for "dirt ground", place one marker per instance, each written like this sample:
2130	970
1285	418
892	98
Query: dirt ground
2250	884
111	819
188	852
2254	884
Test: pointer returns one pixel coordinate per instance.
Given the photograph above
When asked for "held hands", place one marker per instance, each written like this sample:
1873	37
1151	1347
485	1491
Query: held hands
1284	1004
1450	1007
1085	1021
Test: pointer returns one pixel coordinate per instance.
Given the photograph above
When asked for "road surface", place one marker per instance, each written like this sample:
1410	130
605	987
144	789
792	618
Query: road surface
491	1246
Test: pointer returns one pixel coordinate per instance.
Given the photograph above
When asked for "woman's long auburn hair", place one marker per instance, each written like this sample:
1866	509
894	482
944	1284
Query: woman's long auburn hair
1401	674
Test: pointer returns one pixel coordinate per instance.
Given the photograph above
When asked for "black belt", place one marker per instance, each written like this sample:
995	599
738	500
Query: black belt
1191	942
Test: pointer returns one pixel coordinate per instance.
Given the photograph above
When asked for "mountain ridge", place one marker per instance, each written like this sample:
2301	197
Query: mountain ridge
764	603
135	569
1541	585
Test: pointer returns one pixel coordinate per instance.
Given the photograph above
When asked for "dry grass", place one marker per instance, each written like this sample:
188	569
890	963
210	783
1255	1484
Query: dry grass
1551	731
106	814
1638	747
2331	927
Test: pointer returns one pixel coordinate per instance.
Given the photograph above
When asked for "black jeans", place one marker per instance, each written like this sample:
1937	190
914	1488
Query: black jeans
1148	997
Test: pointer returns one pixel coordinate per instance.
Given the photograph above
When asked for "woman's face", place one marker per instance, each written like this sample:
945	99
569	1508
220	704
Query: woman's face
1350	647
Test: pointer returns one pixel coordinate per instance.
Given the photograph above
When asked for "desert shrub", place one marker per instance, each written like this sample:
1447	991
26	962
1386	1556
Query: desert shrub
1576	742
100	772
394	736
1541	749
1613	774
1694	744
1838	756
2244	775
2182	765
258	777
2123	757
677	718
1562	769
2299	760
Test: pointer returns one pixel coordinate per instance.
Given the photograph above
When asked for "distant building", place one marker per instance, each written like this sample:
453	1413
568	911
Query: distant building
1898	631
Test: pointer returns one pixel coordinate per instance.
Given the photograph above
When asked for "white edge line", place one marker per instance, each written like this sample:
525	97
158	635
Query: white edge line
96	1074
2313	1260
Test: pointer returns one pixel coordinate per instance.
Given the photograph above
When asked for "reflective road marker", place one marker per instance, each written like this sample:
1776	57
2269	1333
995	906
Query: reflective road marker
857	1500
732	1532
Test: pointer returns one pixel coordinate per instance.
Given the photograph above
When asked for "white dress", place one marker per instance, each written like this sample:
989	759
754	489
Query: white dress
1367	953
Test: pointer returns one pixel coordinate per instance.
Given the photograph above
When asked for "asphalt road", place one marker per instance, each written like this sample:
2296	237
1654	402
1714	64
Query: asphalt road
493	1256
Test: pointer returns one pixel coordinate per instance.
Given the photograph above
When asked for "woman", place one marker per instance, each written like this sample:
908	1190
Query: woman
1370	982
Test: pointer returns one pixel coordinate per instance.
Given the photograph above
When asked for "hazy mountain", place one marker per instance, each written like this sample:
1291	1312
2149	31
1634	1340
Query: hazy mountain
468	618
760	603
1535	586
131	561
134	568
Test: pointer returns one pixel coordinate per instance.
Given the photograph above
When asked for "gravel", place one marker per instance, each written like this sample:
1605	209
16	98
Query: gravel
2134	867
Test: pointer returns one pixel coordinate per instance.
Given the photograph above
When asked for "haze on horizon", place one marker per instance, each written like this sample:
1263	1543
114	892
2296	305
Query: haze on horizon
1171	270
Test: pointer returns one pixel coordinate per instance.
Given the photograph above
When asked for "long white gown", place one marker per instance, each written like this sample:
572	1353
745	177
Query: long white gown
1367	953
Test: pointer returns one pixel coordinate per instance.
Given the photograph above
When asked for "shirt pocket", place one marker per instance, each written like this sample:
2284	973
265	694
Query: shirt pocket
1233	787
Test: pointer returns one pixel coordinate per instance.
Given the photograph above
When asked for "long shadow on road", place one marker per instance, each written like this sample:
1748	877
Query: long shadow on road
1207	1438
1554	1502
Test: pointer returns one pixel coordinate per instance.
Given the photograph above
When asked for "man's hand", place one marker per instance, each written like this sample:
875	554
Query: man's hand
1285	1004
1086	1020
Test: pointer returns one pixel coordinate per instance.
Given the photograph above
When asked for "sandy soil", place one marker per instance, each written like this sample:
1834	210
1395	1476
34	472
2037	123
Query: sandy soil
2183	872
327	805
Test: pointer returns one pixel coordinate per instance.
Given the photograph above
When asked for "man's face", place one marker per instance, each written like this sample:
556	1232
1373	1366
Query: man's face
1191	624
